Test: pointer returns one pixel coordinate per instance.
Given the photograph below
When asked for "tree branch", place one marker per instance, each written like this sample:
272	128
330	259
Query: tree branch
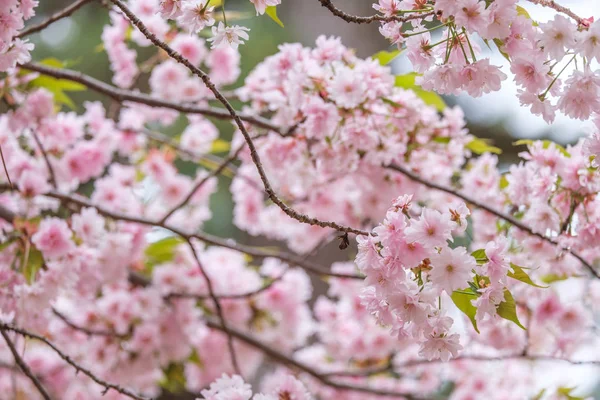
513	221
289	258
201	183
218	308
90	332
107	385
67	11
121	95
561	9
373	18
23	366
46	159
290	362
238	121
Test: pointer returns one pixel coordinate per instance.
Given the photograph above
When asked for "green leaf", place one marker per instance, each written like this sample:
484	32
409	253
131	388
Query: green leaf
508	309
480	256
174	378
525	13
53	62
407	81
480	146
566	392
463	303
385	57
162	251
519	274
546	144
540	395
500	45
6	244
58	87
550	278
271	11
442	139
220	146
503	182
35	260
391	102
430	98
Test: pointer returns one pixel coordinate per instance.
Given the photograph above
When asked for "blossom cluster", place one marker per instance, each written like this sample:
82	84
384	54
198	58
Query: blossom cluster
103	254
539	54
348	121
13	50
276	386
196	15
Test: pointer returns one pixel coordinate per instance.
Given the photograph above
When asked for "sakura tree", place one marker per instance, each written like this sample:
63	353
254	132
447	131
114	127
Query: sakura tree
461	280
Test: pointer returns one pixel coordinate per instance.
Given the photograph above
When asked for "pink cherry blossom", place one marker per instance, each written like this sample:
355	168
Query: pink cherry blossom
53	238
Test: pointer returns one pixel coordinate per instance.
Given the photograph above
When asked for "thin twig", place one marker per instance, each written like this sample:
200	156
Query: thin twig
513	221
24	367
107	385
389	367
90	332
218	308
281	358
238	296
224	164
373	18
238	122
289	258
5	168
67	11
46	159
121	95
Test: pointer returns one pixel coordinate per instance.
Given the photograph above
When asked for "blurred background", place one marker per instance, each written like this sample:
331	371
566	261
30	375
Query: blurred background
496	116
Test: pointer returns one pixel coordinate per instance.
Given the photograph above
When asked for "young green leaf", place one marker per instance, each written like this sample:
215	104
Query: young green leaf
462	300
271	11
508	309
550	278
35	260
220	146
385	57
546	144
480	146
519	274
162	250
408	81
480	256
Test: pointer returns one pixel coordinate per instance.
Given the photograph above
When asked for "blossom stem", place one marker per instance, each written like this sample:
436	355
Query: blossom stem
469	43
557	76
223	11
426	30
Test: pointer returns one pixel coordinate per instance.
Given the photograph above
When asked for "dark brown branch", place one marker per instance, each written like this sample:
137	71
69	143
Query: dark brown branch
289	258
203	181
67	11
5	168
122	95
228	296
238	122
281	358
46	159
24	367
218	308
90	332
508	218
107	385
373	18
413	363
